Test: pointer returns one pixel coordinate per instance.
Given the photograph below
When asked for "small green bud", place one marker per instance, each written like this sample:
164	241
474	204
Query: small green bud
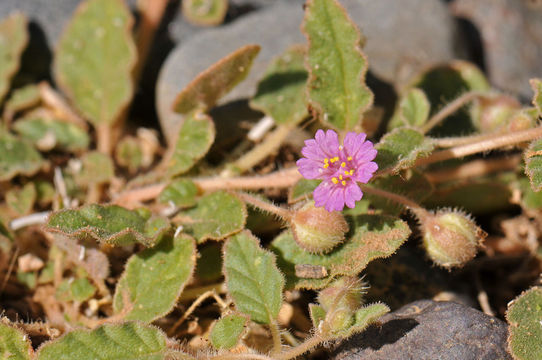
450	237
496	113
317	230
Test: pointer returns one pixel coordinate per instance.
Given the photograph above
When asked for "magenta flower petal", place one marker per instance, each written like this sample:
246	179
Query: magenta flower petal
339	167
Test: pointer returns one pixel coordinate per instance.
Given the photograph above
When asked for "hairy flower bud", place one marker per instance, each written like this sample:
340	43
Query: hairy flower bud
317	230
450	238
341	299
499	113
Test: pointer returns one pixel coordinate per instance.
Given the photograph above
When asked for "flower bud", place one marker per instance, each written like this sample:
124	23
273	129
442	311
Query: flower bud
318	230
495	113
450	238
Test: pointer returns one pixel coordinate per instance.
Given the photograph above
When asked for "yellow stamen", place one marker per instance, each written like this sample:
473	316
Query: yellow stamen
343	182
334	180
343	164
326	166
340	177
349	158
326	160
352	172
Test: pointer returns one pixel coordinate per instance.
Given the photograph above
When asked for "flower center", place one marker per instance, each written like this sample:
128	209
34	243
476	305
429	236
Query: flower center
342	170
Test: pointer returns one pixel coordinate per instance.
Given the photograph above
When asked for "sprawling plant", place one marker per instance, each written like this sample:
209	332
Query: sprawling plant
199	256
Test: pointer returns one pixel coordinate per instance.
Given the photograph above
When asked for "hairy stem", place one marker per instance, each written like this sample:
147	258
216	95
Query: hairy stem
275	334
195	304
302	348
103	138
265	206
393	197
231	356
196	292
270	144
449	109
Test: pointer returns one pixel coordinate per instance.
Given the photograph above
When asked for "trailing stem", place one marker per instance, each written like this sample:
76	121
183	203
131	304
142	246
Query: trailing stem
265	206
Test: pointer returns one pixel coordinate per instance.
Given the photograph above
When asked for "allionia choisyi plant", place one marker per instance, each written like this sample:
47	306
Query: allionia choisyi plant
279	243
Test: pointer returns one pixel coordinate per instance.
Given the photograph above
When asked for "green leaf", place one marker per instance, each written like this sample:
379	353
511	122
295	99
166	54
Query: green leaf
400	148
51	133
95	58
302	189
129	154
75	290
193	141
529	198
108	342
182	192
154	279
216	216
97	168
18	157
533	164
109	224
281	91
210	85
536	84
45	192
317	314
525	331
14	344
22	99
228	330
370	237
412	110
13	40
364	317
205	12
252	278
336	65
21	200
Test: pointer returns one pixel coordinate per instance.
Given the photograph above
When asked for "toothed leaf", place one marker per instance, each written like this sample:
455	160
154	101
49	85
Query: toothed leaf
533	164
227	331
524	315
14	344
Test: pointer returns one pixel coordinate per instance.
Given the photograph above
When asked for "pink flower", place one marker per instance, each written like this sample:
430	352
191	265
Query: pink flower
340	167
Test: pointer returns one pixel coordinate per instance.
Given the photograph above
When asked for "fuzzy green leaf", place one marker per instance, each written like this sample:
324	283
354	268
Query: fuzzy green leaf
525	332
108	342
205	12
365	317
400	148
97	168
533	164
13	40
281	91
209	86
252	278
227	331
216	216
50	133
412	110
317	314
14	344
370	237
154	279
22	99
129	154
109	224
336	65
536	84
193	141
21	200
182	192
18	157
95	59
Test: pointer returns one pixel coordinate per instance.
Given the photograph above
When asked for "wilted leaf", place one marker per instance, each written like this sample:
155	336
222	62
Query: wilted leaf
317	314
21	200
110	224
97	168
154	279
533	164
302	189
95	59
216	216
182	192
205	12
227	331
13	40
400	148
336	65
252	278
412	110
370	237
193	141
108	342
18	157
536	84
281	91
525	332
209	86
50	133
14	344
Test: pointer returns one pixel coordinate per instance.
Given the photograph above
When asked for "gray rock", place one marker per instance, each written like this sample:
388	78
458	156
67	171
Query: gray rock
511	36
429	330
400	41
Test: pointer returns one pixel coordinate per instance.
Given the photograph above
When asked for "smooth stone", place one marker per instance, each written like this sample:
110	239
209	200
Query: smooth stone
428	330
399	43
511	37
